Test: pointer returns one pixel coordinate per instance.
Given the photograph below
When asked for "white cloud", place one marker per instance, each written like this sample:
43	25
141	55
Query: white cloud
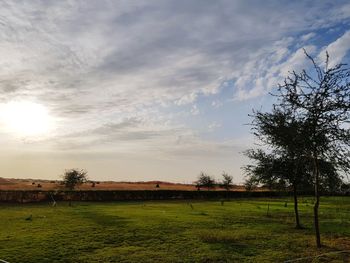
194	110
214	125
217	103
261	72
336	50
308	36
270	66
297	61
122	52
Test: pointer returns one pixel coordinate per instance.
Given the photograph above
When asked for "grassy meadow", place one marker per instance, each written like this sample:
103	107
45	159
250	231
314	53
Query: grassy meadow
242	230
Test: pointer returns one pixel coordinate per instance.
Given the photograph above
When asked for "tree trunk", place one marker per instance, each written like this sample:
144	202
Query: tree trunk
297	222
70	199
317	202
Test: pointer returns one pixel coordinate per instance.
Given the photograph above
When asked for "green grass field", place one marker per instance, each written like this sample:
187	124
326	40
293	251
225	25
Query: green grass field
172	231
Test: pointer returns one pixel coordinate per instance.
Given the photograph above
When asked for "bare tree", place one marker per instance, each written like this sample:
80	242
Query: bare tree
226	181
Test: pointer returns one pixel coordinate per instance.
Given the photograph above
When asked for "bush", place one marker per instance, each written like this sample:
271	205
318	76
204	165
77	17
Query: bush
74	177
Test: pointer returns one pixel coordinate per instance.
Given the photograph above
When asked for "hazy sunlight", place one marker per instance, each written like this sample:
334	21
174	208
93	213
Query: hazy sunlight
25	118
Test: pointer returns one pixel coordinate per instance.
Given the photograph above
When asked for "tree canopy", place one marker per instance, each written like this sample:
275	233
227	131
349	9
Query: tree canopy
226	181
74	177
308	132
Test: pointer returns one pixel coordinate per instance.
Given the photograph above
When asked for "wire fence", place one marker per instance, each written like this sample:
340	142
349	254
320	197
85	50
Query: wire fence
335	256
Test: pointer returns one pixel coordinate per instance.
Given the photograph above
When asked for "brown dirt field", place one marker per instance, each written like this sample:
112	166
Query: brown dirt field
32	184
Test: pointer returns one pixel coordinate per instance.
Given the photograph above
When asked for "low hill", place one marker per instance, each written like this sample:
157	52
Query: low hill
4	181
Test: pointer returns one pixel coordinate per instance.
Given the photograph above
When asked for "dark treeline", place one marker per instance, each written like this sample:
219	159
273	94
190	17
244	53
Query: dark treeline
28	196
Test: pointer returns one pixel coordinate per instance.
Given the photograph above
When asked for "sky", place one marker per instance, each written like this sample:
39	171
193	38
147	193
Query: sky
149	90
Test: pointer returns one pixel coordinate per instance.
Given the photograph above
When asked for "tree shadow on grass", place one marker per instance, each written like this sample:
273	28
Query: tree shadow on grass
225	241
105	220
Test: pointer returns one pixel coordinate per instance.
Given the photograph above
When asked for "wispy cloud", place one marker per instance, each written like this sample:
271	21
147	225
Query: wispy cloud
113	74
337	49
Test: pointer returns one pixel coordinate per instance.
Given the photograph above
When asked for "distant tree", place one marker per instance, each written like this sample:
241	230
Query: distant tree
205	180
226	181
250	184
74	177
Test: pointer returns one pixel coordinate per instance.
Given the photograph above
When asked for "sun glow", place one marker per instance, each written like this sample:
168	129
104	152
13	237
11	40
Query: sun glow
25	118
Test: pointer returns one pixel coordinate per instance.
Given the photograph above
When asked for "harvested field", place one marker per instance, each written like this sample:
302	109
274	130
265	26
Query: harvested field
32	184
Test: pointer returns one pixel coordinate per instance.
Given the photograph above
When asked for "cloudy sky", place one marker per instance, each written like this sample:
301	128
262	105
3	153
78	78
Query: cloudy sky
146	90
